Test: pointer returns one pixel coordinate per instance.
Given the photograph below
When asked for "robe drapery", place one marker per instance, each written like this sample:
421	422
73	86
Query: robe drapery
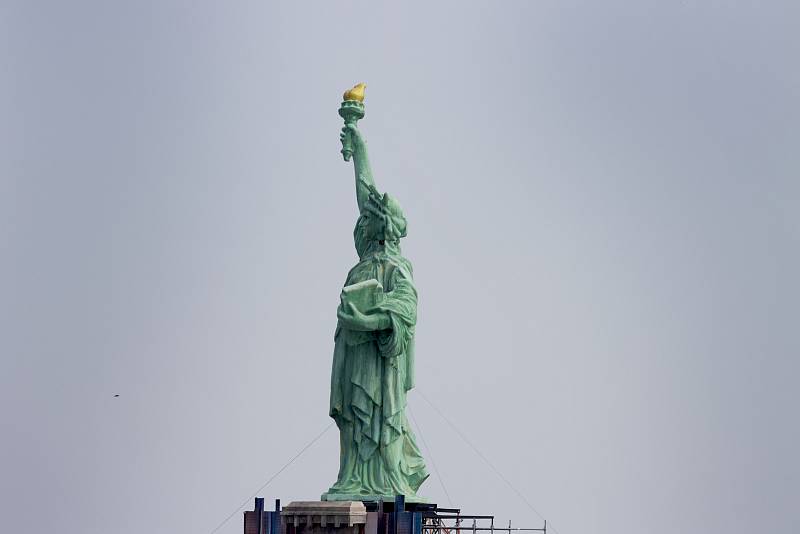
372	373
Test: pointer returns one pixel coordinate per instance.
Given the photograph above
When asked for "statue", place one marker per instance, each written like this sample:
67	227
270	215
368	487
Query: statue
373	357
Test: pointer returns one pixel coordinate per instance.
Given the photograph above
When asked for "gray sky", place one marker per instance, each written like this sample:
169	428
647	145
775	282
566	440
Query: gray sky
602	203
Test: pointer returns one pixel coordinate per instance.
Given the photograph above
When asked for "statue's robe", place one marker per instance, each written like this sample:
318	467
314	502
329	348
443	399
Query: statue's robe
372	373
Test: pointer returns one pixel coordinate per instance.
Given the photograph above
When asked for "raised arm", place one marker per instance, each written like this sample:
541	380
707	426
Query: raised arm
364	180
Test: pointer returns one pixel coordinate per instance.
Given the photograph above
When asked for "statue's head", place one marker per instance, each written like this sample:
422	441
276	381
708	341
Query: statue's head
381	222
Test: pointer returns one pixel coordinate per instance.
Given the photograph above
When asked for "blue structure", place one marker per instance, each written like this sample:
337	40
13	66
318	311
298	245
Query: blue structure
396	517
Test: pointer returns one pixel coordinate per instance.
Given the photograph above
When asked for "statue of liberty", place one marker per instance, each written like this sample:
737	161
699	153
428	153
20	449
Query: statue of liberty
373	357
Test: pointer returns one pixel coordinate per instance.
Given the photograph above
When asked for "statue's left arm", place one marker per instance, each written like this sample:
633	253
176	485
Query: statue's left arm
394	318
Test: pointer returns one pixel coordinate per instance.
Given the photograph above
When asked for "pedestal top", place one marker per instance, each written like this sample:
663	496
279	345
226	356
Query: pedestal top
325	512
324	507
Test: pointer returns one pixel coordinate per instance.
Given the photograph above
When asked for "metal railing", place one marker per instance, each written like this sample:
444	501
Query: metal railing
438	524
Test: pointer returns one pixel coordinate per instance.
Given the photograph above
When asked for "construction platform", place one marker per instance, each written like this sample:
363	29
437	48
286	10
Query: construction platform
370	517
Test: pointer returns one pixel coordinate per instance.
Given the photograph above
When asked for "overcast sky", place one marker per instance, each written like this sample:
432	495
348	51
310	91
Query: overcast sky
603	220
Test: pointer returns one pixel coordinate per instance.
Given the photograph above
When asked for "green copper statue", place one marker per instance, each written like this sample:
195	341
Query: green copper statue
373	358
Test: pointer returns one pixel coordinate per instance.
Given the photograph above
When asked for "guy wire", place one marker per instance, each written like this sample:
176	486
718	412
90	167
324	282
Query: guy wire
273	477
482	457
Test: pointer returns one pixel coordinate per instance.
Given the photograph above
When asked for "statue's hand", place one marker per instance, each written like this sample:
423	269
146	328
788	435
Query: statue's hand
352	318
356	139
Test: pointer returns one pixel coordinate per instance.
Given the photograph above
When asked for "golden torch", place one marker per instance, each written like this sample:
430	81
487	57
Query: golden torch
351	110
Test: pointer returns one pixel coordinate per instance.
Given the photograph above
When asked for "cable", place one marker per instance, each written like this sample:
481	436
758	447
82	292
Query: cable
430	453
265	484
485	460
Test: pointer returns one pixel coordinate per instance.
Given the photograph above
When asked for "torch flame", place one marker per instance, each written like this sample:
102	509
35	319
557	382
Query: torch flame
356	93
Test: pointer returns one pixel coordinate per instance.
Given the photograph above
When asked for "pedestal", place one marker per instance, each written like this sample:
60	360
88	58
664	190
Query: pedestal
324	517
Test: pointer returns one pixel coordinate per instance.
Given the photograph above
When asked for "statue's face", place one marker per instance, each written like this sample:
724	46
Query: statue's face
371	225
381	220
